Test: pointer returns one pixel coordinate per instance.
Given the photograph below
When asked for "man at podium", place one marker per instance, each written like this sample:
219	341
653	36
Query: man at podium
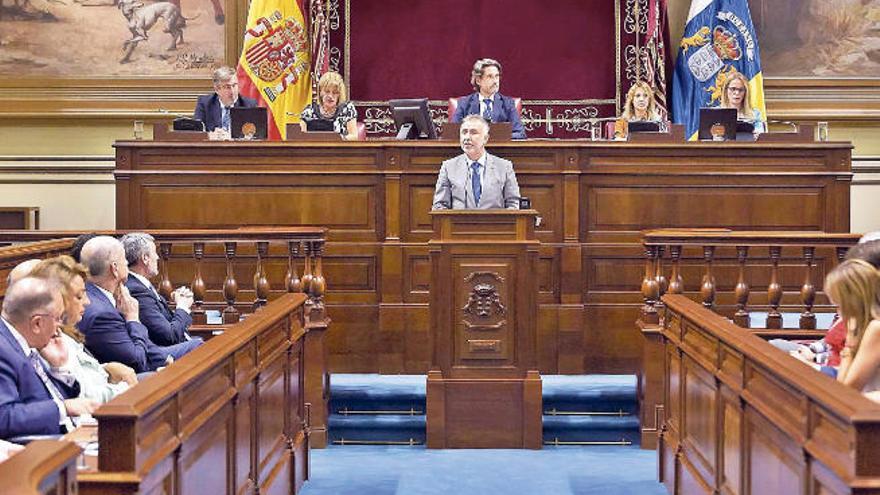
476	179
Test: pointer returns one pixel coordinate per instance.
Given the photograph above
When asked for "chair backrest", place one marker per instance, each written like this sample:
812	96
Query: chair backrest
452	106
609	129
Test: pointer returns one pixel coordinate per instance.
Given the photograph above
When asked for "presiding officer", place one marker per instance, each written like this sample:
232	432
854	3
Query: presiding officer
487	101
476	179
213	109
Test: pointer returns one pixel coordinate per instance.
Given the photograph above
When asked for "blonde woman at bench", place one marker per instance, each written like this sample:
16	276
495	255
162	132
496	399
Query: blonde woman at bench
854	287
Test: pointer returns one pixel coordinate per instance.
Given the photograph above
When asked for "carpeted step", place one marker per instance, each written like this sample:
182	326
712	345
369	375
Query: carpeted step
590	409
372	392
375	408
590	393
377	428
592	429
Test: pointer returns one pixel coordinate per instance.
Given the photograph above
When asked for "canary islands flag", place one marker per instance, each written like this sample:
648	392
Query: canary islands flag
274	64
719	38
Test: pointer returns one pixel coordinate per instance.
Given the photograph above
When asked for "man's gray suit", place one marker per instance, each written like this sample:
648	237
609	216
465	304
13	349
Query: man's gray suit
454	189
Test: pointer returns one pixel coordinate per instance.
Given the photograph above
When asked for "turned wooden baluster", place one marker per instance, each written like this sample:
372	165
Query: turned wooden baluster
774	289
650	287
165	287
741	317
707	287
808	292
261	283
317	285
230	286
676	283
198	286
662	282
292	282
307	270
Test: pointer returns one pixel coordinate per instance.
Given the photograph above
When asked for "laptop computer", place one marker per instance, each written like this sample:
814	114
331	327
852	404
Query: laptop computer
717	124
642	126
248	123
319	125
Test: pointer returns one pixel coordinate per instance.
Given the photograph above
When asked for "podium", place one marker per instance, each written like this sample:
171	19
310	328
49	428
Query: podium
484	389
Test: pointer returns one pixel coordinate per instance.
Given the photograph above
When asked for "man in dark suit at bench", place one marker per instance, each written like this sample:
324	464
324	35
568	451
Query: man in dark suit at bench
166	327
33	401
111	322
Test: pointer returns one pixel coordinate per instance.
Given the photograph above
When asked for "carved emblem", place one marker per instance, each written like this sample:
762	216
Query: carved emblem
484	301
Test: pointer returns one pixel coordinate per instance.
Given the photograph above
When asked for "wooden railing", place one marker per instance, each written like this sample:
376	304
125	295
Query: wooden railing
208	254
230	417
769	259
732	273
44	467
742	417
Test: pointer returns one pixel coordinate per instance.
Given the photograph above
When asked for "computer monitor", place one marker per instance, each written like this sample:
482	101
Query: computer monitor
717	124
248	123
412	118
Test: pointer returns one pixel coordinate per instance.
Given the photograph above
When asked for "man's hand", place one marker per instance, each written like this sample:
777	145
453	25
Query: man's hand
183	298
55	353
80	406
126	304
121	373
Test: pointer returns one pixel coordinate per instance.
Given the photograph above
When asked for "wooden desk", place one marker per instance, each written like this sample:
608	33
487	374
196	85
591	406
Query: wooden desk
44	467
740	416
594	199
229	417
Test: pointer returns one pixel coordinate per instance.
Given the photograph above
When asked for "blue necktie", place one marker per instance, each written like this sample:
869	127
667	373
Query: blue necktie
225	121
487	112
475	182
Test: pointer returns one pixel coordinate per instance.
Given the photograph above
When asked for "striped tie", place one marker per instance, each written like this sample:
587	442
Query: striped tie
487	112
37	363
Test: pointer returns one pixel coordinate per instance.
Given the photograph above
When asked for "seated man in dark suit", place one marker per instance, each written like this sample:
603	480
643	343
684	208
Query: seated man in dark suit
111	322
476	179
166	327
213	109
487	101
32	400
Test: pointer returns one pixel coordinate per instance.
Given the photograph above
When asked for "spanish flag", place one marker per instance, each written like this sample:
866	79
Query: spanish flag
275	61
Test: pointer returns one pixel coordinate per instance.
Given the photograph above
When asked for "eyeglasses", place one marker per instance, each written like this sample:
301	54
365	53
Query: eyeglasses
227	86
736	90
59	320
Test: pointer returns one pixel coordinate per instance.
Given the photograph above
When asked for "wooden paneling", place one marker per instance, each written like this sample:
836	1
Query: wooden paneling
593	198
45	467
743	418
223	419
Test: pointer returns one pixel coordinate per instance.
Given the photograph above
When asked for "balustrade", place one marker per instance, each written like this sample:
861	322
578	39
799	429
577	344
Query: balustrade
197	248
756	256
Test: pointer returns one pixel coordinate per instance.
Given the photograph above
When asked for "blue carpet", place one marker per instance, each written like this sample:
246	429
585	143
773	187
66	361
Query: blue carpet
600	395
416	471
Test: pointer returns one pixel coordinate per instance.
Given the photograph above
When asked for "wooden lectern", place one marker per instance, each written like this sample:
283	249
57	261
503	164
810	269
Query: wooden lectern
484	389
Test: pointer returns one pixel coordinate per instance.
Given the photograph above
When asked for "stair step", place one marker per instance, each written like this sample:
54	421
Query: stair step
377	428
591	428
590	393
389	409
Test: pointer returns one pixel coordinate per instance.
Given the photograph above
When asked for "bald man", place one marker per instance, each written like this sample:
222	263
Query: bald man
32	401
